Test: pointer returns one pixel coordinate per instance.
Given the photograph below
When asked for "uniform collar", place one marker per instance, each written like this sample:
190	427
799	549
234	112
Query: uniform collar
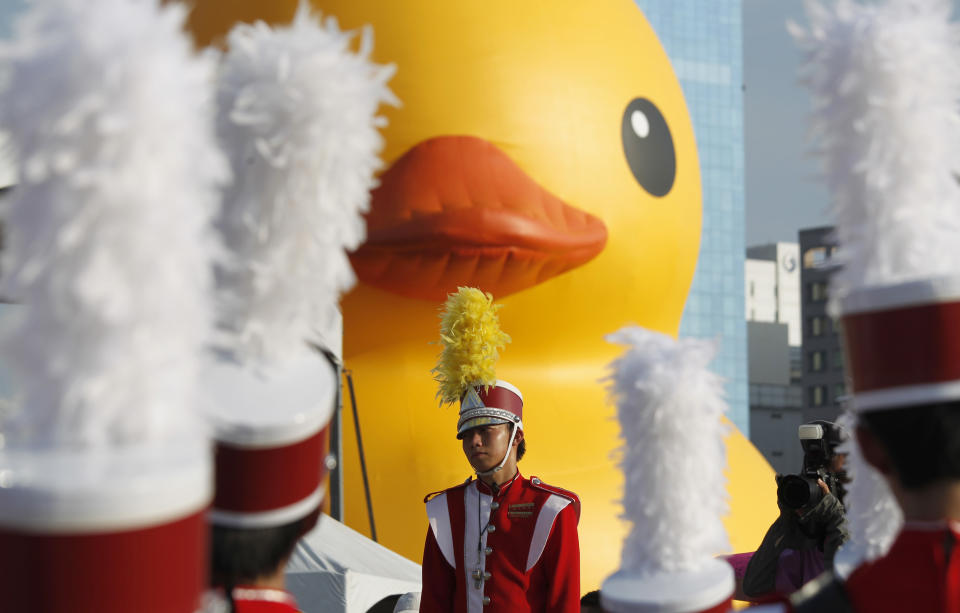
263	594
495	491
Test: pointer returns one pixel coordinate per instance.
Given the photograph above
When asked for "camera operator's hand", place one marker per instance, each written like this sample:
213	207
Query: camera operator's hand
823	486
788	532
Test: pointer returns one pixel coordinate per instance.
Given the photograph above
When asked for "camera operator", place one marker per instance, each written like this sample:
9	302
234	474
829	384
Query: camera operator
811	526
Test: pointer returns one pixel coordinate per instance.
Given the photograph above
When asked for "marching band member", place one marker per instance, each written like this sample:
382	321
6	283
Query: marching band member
297	117
500	542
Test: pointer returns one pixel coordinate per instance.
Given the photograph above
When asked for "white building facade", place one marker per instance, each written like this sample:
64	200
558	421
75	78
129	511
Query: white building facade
772	287
774	338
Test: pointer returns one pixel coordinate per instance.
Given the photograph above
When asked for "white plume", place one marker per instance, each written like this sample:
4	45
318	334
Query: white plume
670	407
108	241
885	87
873	515
298	118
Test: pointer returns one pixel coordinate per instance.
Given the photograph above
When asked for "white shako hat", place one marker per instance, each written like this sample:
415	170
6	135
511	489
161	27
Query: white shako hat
466	369
105	467
889	139
670	407
297	117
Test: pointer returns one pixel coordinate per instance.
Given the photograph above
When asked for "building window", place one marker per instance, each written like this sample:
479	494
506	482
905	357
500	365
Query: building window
814	257
818	395
838	359
818	361
751	288
817	291
840	389
817	326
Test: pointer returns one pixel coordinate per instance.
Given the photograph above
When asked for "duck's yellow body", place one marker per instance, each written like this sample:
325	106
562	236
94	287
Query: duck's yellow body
516	123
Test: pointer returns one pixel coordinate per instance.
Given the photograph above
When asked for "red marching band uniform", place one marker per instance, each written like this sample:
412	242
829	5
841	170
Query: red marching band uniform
511	550
514	548
921	572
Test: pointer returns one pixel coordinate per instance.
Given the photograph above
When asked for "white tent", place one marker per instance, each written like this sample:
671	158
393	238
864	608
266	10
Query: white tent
335	569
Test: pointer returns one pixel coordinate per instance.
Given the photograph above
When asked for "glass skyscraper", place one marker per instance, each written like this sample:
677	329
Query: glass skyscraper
704	41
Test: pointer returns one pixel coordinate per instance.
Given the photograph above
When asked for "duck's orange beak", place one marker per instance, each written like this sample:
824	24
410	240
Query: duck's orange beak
455	210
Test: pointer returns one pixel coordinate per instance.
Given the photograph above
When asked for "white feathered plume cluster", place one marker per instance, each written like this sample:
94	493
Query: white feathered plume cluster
873	515
670	407
885	86
297	114
107	239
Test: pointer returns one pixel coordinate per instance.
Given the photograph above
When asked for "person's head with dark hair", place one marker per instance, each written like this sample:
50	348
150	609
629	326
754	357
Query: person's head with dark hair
253	557
590	602
915	446
247	556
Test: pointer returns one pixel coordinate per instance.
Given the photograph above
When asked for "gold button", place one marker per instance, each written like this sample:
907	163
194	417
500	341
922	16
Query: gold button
488	550
494	505
491	528
486	600
486	576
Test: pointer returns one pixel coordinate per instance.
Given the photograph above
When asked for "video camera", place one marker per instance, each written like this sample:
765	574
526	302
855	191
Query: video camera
819	440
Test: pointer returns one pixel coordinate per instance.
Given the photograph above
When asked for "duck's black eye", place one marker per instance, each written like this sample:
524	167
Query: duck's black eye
648	147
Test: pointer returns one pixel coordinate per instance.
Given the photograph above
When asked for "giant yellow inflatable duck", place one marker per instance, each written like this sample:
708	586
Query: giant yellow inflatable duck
544	153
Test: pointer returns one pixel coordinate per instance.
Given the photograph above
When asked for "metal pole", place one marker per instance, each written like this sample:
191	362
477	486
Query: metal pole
334	459
363	461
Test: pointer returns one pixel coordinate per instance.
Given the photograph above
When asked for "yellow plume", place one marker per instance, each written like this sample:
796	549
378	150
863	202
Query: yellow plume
472	339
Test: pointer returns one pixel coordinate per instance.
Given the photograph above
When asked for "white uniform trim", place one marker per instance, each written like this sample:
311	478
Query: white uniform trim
541	532
271	518
439	517
475	530
904	395
510	386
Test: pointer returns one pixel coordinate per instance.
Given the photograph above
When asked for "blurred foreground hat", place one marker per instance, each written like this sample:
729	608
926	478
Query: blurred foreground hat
670	407
105	468
297	116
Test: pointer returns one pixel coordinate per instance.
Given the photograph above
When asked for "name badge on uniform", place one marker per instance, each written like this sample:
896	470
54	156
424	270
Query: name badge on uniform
520	509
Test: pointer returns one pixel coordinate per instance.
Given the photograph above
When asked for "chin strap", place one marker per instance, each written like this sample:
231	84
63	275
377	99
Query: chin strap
513	435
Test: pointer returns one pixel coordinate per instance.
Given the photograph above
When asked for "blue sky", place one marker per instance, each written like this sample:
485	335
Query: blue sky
783	192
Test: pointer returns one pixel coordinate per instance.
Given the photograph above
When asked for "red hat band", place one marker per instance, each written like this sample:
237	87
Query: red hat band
497	404
502	397
903	343
109	530
157	569
269	486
